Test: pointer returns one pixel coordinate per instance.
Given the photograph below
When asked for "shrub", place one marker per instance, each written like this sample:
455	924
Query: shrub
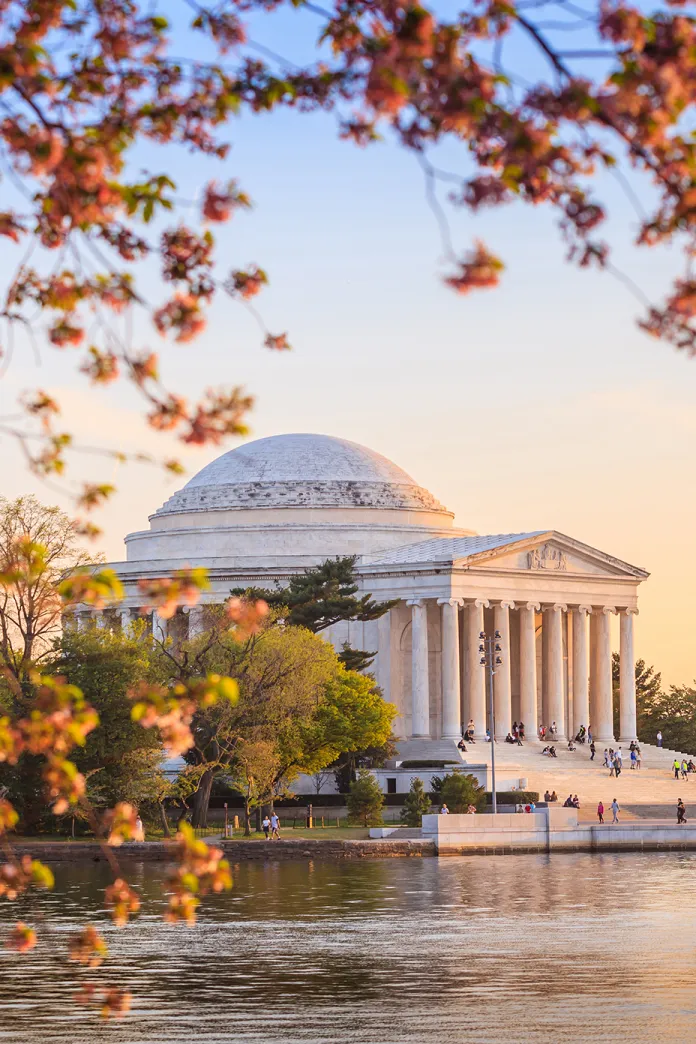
416	805
365	800
460	790
513	797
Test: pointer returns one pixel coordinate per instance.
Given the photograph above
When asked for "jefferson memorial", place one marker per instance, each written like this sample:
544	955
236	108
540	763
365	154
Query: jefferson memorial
271	508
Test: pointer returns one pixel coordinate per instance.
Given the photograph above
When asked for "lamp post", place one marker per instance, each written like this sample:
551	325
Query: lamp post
490	650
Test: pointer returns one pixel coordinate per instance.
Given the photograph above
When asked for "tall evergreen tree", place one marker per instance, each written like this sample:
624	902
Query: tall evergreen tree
322	596
416	804
365	800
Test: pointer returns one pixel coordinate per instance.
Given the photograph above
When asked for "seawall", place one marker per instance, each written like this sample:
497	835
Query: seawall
235	851
551	830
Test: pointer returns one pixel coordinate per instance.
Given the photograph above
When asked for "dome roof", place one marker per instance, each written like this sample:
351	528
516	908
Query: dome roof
300	470
300	458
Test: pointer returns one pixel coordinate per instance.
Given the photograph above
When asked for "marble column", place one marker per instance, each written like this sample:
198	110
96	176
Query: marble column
502	696
195	620
420	692
529	713
477	673
84	619
603	727
451	693
627	677
553	619
581	678
383	673
125	617
101	621
159	627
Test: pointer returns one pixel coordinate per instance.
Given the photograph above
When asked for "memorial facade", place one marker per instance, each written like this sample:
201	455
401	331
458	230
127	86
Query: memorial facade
272	508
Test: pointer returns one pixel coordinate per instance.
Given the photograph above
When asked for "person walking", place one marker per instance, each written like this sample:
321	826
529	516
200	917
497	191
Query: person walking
681	812
266	824
615	811
685	770
617	765
633	758
275	827
638	756
606	758
593	751
676	766
619	756
600	812
659	739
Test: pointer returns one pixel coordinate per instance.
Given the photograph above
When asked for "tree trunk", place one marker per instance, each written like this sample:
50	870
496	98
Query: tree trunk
247	818
163	817
201	800
182	813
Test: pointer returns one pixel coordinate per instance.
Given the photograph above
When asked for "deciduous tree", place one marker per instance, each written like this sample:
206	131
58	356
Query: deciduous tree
39	545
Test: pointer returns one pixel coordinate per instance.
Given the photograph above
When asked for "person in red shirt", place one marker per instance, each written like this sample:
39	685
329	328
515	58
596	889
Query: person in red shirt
600	812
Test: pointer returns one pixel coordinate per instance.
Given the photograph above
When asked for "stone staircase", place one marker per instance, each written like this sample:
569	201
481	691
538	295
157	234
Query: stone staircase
429	750
574	773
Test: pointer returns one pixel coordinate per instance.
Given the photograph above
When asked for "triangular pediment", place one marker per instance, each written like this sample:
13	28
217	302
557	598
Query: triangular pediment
551	553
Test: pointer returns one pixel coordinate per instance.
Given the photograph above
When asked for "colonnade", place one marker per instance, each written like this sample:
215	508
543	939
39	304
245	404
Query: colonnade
87	618
580	696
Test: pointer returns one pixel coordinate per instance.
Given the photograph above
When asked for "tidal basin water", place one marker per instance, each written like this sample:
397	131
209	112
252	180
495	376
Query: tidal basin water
499	950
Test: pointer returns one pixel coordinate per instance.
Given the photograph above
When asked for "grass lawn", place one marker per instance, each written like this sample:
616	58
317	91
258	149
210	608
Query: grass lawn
327	834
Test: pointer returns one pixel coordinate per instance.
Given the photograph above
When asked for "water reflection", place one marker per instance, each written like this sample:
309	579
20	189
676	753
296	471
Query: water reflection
501	949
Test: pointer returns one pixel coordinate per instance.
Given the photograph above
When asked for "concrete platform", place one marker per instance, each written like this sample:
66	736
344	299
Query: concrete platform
551	830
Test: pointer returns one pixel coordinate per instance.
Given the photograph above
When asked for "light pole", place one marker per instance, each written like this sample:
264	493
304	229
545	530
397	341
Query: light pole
490	649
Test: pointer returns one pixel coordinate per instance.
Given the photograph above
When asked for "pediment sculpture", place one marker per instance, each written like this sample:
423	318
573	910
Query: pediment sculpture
547	557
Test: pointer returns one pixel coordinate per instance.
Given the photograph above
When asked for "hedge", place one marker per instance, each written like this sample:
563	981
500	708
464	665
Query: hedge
513	797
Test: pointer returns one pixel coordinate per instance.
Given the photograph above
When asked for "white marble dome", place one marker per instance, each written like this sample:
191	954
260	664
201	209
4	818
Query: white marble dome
289	501
300	471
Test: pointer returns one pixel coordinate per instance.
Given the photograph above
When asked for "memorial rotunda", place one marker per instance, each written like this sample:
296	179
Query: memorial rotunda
271	508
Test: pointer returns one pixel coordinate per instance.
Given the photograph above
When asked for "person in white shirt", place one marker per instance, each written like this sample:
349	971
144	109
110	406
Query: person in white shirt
275	827
266	824
444	811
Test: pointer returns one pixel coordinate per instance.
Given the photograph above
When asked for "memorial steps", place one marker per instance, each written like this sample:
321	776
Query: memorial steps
573	772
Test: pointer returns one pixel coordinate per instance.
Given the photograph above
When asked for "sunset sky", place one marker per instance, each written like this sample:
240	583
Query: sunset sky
538	405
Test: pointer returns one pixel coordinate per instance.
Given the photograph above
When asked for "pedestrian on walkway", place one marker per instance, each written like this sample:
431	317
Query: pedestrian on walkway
593	751
676	766
681	812
638	757
615	810
685	770
266	826
634	758
275	827
659	739
606	758
600	812
619	757
617	765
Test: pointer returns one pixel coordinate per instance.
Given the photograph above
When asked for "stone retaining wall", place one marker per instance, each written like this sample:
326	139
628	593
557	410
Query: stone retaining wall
235	851
301	848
